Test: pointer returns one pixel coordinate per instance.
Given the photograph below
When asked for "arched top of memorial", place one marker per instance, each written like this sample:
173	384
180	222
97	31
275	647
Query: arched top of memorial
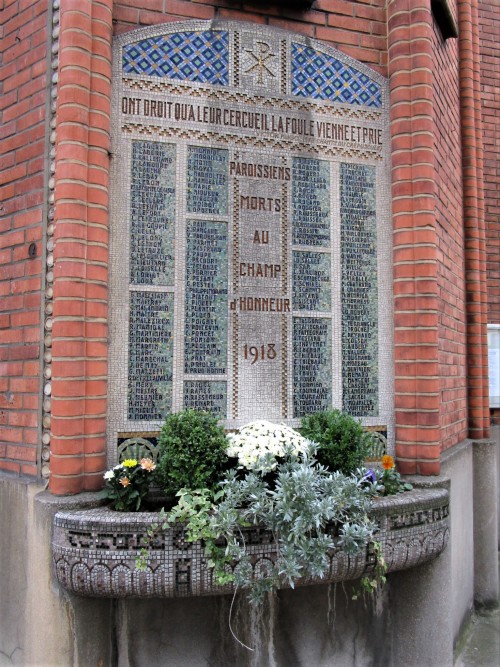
249	57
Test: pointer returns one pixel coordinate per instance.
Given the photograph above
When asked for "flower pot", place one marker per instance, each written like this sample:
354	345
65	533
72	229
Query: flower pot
95	551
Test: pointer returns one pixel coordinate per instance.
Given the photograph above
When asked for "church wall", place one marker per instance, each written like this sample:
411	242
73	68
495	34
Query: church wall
24	74
79	333
489	20
421	612
358	29
450	240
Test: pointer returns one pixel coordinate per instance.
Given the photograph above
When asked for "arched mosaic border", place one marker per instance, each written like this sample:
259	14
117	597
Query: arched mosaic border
203	56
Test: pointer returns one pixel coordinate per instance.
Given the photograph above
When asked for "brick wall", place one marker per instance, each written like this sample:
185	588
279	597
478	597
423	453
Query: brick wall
23	79
450	239
489	21
79	339
430	336
356	28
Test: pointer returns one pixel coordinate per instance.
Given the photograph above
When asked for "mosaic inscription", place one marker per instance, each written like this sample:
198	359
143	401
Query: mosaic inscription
259	296
311	202
205	346
152	213
359	289
311	281
207	180
151	355
312	365
206	395
251	158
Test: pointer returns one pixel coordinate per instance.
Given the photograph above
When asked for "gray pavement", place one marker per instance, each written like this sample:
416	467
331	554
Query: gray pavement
479	645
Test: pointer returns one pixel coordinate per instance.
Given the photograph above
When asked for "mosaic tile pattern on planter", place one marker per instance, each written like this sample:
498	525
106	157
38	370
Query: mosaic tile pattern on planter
94	551
255	221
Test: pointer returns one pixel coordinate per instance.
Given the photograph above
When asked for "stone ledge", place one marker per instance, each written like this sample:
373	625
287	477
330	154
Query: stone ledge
94	550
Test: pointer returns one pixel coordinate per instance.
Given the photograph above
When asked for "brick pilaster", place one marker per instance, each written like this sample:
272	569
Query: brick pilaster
481	218
415	243
79	370
474	232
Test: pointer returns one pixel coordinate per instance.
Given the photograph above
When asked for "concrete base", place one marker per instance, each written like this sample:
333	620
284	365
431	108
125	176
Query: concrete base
413	622
421	625
457	466
485	523
40	625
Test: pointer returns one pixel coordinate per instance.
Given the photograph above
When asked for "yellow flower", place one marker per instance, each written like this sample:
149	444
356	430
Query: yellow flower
148	464
130	463
387	462
124	481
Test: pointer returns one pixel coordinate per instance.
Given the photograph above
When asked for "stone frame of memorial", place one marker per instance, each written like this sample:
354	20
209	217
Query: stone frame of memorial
251	232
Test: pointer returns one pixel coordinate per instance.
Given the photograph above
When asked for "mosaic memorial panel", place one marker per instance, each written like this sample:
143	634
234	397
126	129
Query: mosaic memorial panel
251	236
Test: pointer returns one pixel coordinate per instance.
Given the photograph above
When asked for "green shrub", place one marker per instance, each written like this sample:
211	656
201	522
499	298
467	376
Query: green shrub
192	452
342	442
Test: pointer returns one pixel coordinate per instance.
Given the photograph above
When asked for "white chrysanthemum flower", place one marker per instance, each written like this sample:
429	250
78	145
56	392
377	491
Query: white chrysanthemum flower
109	474
261	438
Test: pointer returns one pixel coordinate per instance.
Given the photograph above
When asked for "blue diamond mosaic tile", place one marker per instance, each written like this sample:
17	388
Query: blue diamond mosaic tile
192	56
323	77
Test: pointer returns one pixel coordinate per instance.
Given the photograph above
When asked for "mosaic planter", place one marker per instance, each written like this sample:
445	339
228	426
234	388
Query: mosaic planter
94	551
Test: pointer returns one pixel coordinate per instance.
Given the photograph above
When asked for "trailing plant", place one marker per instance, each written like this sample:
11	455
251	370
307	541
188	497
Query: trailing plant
127	484
375	580
152	537
307	510
195	510
192	452
343	443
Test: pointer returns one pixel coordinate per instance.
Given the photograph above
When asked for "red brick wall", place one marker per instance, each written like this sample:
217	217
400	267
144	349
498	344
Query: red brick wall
489	21
23	78
450	239
356	28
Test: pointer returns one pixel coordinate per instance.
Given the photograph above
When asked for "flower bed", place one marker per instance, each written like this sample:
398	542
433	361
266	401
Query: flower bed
95	551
